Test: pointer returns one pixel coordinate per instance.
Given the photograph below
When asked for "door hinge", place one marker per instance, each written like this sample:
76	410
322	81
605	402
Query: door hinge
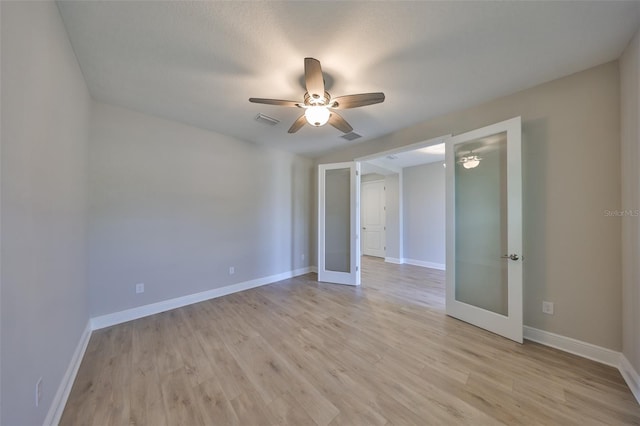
385	228
357	173
357	268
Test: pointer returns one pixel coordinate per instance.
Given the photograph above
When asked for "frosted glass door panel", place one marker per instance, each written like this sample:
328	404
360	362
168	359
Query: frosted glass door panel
481	223
339	223
337	220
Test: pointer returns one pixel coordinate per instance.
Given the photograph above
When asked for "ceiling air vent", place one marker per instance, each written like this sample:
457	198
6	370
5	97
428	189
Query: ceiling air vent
351	136
261	118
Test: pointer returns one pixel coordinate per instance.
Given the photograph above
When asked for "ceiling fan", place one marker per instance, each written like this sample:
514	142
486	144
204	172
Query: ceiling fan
318	104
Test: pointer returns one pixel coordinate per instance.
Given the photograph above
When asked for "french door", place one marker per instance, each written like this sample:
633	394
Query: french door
339	223
484	228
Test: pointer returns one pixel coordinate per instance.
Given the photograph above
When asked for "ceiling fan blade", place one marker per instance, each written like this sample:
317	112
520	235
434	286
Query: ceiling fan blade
354	101
314	80
278	102
297	125
339	123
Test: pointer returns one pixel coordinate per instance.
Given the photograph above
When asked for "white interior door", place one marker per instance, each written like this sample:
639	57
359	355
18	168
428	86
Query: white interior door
484	228
339	223
373	218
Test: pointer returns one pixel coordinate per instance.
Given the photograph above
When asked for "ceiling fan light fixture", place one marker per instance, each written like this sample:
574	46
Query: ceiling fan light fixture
317	101
470	162
317	115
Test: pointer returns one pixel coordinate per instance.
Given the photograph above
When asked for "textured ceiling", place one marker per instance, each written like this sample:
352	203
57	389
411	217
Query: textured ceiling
199	62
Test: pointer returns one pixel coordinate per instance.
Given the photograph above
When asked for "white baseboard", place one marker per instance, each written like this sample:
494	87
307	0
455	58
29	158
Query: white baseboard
393	260
64	389
630	376
574	346
589	351
313	269
167	305
432	265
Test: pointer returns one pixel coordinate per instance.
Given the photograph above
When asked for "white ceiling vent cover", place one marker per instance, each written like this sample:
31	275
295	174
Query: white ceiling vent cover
351	136
261	118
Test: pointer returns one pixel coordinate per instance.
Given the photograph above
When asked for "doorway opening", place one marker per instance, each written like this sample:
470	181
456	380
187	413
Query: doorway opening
413	211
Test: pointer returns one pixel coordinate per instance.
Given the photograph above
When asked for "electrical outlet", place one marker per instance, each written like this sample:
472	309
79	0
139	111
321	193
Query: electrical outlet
547	308
232	270
38	391
139	288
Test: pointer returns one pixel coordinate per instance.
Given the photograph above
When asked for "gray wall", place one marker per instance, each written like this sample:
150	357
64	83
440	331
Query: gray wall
45	108
424	213
630	100
571	157
173	207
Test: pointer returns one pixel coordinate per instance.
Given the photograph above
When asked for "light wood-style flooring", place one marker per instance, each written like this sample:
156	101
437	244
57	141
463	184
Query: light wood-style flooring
300	352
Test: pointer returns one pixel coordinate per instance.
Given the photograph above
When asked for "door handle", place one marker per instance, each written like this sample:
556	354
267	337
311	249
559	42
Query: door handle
511	256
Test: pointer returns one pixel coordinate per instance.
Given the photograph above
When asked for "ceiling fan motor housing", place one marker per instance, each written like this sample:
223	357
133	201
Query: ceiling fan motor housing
317	100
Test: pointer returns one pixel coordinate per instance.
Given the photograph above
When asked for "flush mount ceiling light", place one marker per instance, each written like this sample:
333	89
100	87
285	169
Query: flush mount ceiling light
319	106
470	161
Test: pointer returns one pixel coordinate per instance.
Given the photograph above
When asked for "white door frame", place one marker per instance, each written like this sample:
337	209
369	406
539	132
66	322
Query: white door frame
353	276
510	326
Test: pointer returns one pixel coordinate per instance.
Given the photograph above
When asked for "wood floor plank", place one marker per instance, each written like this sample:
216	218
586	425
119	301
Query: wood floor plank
289	413
226	369
216	408
180	402
300	352
251	410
